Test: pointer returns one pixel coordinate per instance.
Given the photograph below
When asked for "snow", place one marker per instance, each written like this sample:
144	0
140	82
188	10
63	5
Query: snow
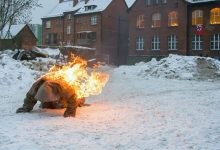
181	67
49	51
14	30
39	12
100	6
129	2
199	1
66	6
133	111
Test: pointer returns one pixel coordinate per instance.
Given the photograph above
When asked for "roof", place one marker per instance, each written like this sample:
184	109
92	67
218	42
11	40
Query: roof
101	5
66	6
14	30
199	1
129	2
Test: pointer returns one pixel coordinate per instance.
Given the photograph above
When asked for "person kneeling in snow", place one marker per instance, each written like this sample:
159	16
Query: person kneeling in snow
52	95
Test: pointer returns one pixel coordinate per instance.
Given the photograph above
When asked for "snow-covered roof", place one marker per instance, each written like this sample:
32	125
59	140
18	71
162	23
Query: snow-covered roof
14	30
129	2
199	1
100	5
66	6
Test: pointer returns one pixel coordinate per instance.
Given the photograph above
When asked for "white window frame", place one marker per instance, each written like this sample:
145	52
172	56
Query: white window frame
68	30
215	16
173	18
148	2
156	17
215	42
48	24
172	42
164	1
140	19
197	42
197	14
69	16
94	20
155	43
140	43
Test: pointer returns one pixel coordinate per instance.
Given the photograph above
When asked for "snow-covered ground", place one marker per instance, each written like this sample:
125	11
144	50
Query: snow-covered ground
138	109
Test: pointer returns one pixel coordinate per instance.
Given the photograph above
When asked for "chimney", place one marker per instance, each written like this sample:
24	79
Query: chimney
75	2
60	1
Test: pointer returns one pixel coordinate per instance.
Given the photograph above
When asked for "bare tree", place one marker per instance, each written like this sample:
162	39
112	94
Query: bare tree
18	11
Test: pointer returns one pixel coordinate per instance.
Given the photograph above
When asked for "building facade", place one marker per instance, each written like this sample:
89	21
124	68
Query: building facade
96	24
204	17
158	28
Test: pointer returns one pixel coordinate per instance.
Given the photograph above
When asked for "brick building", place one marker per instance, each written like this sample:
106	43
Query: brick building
161	27
18	37
98	24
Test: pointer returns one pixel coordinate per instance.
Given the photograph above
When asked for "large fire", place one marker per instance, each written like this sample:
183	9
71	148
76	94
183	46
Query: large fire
78	78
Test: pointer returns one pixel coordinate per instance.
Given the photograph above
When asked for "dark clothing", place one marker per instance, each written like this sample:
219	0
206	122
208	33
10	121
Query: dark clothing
51	95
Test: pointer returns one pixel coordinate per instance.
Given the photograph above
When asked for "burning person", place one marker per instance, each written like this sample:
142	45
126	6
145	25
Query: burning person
65	87
52	95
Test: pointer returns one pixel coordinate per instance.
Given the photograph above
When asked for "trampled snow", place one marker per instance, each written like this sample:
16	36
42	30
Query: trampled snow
135	111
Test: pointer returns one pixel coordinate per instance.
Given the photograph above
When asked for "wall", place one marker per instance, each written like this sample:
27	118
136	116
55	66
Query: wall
209	29
56	28
115	32
163	32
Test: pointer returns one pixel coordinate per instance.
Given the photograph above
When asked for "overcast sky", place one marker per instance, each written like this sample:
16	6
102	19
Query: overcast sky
38	13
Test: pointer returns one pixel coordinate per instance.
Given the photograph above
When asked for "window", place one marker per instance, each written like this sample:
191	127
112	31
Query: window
197	42
51	38
79	20
156	20
69	16
93	20
173	19
215	16
155	2
92	36
140	43
47	38
48	24
148	2
140	21
68	30
172	42
215	42
91	7
155	44
68	42
164	1
197	17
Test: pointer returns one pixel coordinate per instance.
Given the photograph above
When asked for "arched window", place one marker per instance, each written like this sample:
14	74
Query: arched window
215	16
197	17
140	21
173	19
156	20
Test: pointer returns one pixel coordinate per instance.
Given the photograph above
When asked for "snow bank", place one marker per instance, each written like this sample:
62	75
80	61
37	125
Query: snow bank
49	51
180	67
12	72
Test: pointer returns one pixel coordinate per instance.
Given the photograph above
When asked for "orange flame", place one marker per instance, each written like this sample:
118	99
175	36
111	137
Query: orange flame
78	78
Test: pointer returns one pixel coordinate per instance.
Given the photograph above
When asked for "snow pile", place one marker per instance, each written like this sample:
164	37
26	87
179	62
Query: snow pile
40	64
176	67
49	51
13	72
181	67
